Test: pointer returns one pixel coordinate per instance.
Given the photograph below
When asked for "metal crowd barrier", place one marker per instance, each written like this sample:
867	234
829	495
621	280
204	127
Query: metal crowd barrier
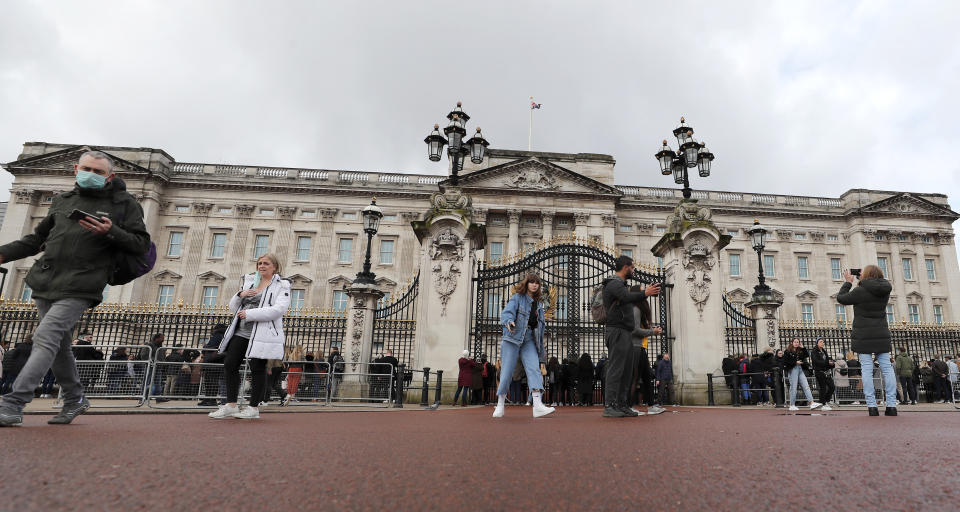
190	384
306	383
116	380
954	379
371	385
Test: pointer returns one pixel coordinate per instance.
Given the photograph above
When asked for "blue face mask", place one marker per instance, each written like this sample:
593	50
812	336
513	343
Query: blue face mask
87	179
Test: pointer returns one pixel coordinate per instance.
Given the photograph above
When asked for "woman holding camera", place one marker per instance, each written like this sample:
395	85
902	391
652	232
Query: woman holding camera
256	334
871	335
794	362
523	324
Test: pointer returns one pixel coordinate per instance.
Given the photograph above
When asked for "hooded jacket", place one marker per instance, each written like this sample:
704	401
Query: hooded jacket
870	334
266	339
619	303
904	365
76	263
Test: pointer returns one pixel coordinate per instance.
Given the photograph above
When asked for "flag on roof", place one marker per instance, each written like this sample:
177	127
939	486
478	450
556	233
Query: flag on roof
534	105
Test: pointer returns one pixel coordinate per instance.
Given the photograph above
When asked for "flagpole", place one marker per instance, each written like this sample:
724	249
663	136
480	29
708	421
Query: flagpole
530	132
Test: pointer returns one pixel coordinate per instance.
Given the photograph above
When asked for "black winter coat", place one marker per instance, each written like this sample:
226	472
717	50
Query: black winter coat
790	359
758	367
585	371
821	362
870	334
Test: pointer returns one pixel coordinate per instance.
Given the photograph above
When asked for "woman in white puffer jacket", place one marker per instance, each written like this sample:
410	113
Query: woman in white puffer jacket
256	333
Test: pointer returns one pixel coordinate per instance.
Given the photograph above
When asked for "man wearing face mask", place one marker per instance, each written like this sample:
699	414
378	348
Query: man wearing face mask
78	260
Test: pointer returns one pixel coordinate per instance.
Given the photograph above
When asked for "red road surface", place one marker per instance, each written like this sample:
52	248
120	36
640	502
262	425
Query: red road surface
694	459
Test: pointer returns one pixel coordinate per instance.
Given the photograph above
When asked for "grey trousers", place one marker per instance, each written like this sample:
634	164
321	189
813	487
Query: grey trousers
51	349
619	358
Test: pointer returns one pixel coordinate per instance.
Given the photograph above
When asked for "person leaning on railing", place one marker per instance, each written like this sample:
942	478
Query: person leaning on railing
870	334
256	333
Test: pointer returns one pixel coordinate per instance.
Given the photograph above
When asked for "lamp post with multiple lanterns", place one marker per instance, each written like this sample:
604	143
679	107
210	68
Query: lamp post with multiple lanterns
457	148
691	154
371	222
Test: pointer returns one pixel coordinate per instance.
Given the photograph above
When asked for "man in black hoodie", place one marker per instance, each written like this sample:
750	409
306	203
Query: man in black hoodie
618	303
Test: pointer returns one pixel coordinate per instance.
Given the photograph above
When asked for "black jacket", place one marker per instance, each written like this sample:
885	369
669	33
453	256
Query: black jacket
758	367
790	359
821	362
728	365
585	370
618	301
870	334
77	263
14	360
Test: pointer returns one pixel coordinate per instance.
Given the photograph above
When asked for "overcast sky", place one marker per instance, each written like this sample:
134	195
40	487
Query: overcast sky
793	97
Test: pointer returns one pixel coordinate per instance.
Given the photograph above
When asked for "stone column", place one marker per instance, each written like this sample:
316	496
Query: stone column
690	249
581	221
151	204
450	241
513	243
764	310
16	224
321	263
358	338
195	251
921	277
951	275
285	233
547	217
609	229
896	277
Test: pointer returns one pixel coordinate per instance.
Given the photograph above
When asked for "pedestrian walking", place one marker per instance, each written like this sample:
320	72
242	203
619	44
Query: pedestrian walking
794	363
618	325
256	333
523	324
905	366
642	373
823	371
870	335
79	260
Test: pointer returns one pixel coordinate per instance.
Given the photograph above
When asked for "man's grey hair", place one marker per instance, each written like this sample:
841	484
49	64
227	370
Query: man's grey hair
100	155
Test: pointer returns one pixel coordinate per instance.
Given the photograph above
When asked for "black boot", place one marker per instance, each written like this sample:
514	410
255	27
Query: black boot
890	411
873	411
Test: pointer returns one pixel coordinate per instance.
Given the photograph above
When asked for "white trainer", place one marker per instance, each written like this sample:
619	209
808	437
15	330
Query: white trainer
653	409
815	405
247	413
224	411
542	410
826	408
793	408
498	411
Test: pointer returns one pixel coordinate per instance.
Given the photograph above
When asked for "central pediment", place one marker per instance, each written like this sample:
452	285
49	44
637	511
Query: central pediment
533	176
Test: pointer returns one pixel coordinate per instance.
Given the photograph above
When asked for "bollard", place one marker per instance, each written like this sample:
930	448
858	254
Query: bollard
777	374
736	388
710	389
399	403
425	392
436	401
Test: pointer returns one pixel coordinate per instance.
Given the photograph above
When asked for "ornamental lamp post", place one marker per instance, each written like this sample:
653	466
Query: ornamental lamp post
371	222
457	147
758	234
690	154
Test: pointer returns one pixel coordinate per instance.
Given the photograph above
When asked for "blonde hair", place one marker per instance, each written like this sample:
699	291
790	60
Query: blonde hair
295	353
849	355
273	259
871	271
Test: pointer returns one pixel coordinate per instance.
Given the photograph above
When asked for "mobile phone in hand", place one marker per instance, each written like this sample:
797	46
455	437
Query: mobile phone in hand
80	214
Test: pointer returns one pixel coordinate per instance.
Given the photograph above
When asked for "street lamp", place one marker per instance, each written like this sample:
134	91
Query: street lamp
457	148
371	222
691	154
757	235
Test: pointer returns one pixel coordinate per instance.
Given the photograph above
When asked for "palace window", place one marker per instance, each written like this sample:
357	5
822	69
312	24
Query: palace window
800	236
340	301
913	313
931	270
175	244
182	208
626	228
261	245
734	265
806	313
496	251
308	214
882	263
266	211
345	250
836	271
803	269
297	296
386	252
841	315
218	245
303	248
768	269
890	318
383	301
26	294
938	314
165	297
627	252
833	238
908	269
210	293
225	210
350	215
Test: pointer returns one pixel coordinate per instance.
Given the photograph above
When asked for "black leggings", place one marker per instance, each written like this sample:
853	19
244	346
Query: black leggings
236	351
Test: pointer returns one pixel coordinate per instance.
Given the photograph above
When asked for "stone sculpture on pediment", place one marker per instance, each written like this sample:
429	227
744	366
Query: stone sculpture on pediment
687	211
533	177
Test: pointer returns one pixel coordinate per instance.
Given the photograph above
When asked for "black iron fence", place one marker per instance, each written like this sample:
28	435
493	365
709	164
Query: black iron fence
183	325
922	341
395	324
740	330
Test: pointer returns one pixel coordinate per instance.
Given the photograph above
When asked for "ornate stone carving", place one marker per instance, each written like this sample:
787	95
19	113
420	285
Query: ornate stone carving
287	212
452	201
327	214
687	211
698	263
244	210
202	208
581	218
547	217
355	345
533	177
514	216
446	251
784	234
479	215
609	220
644	228
944	238
26	196
771	329
817	236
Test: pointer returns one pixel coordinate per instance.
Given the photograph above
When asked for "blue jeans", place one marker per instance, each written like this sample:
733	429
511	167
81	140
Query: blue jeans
745	386
889	378
531	363
795	374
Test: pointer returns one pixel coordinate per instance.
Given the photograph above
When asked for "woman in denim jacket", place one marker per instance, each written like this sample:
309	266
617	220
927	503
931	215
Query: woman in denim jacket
523	325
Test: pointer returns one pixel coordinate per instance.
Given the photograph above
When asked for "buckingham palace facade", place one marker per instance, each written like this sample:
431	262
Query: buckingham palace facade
211	221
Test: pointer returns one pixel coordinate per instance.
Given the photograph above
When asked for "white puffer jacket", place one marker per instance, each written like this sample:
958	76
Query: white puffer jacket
266	339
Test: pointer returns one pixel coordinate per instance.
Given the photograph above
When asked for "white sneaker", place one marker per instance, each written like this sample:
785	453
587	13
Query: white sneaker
856	402
498	411
639	413
653	409
224	411
542	410
247	413
826	408
793	408
815	405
